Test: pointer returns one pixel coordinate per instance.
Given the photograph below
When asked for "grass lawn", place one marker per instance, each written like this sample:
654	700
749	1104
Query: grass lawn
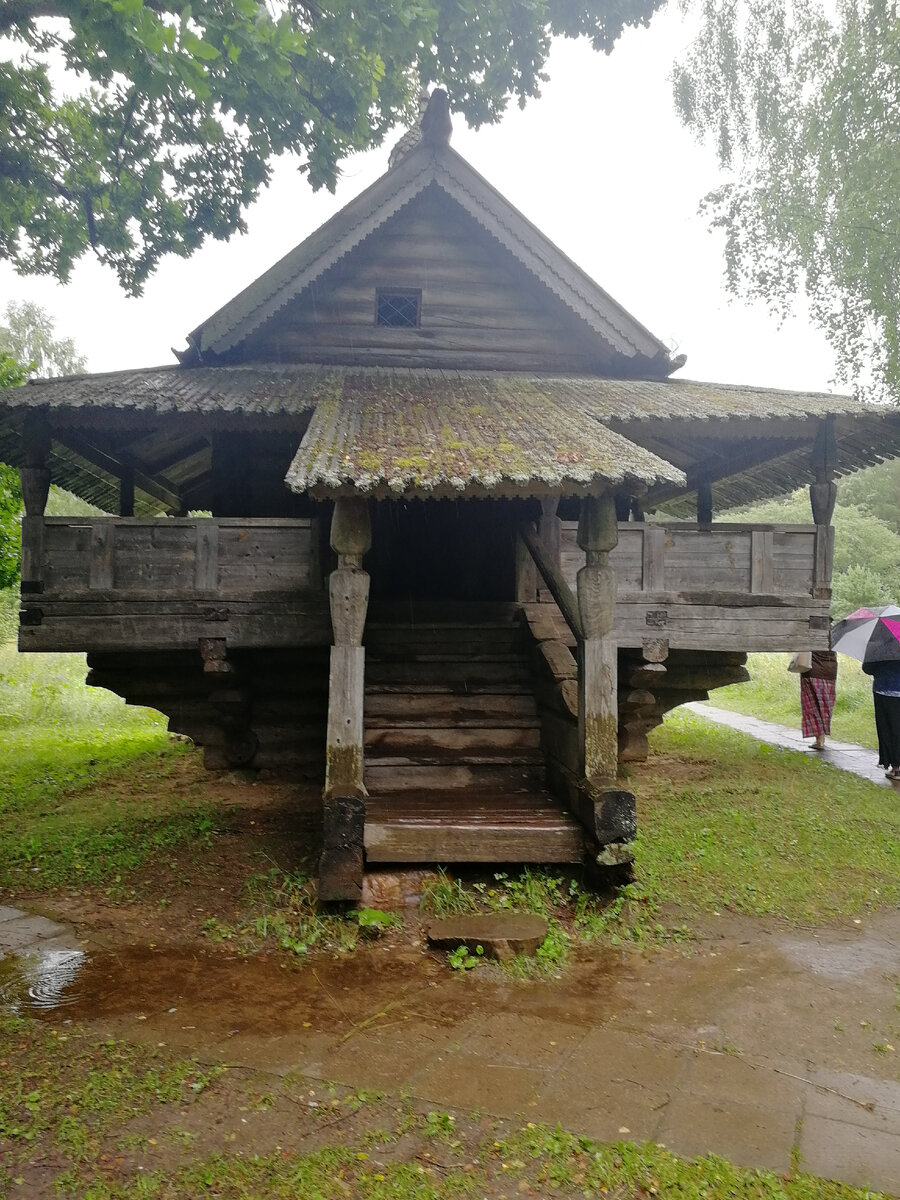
773	694
61	743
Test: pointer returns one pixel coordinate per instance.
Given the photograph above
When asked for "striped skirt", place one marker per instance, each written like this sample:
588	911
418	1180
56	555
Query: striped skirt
816	703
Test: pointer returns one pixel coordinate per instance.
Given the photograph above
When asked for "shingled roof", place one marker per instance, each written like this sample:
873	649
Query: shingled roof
387	436
507	432
297	387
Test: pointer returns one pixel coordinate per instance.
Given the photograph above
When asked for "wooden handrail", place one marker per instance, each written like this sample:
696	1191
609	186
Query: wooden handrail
553	577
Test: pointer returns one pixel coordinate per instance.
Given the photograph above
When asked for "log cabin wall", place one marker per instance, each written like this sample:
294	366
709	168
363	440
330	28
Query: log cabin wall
479	308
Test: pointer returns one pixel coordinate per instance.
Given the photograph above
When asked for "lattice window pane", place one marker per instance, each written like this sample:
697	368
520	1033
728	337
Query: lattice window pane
398	308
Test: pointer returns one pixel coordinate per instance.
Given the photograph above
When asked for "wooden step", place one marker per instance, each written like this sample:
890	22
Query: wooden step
454	708
446	827
387	776
487	742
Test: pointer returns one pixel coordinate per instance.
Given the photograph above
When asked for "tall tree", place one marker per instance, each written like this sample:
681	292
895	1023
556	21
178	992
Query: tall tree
27	337
802	101
12	374
27	347
160	129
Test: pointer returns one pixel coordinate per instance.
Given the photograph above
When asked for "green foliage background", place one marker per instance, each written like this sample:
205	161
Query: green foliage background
160	129
800	102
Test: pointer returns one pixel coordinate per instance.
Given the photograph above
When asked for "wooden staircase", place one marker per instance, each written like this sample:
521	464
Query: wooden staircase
454	766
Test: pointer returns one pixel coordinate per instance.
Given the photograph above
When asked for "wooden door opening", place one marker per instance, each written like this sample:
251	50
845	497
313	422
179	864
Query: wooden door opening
444	550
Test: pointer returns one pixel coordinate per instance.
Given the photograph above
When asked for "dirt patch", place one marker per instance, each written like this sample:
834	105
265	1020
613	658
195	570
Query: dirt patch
260	825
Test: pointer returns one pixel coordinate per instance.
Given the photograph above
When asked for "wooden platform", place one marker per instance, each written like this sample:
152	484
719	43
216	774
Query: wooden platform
459	826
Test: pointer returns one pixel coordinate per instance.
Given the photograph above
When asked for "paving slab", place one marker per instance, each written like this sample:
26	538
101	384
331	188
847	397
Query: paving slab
866	1158
746	1134
20	933
382	1058
467	1081
846	756
523	1041
738	1079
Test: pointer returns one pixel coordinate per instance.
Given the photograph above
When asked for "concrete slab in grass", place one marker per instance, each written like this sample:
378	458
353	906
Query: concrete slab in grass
18	933
865	1158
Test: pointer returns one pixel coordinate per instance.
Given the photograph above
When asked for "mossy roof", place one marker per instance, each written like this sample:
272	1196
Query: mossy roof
385	435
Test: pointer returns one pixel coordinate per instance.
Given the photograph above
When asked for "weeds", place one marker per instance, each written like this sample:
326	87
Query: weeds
461	959
283	911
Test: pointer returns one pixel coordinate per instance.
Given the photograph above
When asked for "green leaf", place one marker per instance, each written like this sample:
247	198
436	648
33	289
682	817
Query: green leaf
198	47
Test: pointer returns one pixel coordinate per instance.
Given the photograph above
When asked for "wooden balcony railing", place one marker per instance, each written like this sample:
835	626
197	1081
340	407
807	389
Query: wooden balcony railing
131	583
718	587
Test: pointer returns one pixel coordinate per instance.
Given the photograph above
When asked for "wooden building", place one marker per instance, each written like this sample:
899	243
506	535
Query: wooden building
429	444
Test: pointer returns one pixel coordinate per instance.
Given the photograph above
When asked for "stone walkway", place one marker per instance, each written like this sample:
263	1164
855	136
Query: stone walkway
846	756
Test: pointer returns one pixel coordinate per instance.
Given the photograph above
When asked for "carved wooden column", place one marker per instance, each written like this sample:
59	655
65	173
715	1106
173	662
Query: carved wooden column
822	497
35	482
597	667
341	864
606	811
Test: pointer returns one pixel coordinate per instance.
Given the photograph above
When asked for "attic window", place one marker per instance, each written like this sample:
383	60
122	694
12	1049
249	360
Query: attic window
398	308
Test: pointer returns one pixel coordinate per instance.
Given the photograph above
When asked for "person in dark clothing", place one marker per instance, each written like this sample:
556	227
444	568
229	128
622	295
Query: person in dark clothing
818	686
886	696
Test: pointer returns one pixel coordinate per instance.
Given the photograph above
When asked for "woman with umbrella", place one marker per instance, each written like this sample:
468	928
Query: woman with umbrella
872	635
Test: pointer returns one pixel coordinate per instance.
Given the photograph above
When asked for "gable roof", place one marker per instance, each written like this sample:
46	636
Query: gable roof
426	164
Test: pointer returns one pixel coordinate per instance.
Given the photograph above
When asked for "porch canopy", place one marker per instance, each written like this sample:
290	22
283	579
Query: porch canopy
424	435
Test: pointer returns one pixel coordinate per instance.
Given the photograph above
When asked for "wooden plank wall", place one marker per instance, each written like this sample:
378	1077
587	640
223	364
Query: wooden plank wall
725	587
480	308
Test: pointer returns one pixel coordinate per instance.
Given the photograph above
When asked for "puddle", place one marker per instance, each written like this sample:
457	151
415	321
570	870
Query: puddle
841	960
42	980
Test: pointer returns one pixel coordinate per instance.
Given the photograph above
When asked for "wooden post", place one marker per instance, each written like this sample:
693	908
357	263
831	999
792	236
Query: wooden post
549	532
822	497
823	493
704	503
597	667
126	492
623	506
35	482
231	702
341	864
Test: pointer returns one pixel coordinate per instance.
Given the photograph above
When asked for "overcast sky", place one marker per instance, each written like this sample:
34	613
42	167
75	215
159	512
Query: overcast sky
600	163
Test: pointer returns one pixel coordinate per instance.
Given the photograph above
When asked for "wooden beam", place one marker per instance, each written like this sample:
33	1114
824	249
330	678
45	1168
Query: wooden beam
554	579
163	490
720	466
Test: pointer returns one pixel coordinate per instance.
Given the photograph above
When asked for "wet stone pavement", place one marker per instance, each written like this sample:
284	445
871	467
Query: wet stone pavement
756	1043
846	756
